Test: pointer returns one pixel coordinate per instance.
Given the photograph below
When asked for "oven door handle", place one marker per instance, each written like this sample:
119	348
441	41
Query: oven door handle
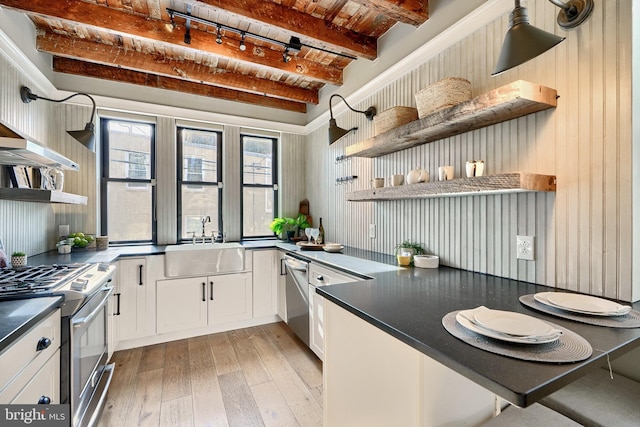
88	318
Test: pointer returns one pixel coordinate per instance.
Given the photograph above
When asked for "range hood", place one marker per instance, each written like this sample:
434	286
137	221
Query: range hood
20	151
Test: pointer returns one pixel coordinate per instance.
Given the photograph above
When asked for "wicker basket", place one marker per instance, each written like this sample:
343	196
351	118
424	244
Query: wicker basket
426	261
442	94
394	117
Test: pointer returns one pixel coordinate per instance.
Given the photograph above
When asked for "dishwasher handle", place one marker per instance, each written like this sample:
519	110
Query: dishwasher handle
295	264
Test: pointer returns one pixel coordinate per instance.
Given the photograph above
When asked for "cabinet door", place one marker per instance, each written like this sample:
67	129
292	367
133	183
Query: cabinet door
265	282
45	384
229	298
316	322
133	309
282	291
112	313
181	304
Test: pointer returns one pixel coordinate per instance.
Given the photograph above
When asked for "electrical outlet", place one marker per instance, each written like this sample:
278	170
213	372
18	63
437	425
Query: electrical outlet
372	231
525	248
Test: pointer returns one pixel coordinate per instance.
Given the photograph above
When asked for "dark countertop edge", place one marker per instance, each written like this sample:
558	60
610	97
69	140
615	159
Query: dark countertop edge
53	303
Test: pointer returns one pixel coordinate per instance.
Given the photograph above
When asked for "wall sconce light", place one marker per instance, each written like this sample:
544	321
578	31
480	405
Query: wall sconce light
335	132
86	136
524	41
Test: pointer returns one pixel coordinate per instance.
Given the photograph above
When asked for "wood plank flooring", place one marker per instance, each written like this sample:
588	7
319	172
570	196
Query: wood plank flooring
259	376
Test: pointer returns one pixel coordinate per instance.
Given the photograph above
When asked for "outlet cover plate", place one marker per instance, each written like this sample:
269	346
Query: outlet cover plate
525	248
372	231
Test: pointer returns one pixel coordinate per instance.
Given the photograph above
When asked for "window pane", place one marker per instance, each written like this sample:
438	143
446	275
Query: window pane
129	150
257	211
199	201
129	211
256	161
200	155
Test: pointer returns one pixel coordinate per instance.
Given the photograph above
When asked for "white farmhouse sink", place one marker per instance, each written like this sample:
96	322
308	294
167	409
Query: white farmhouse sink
203	259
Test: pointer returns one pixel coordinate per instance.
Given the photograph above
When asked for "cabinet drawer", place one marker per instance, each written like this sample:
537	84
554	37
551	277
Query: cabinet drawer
322	276
16	358
41	381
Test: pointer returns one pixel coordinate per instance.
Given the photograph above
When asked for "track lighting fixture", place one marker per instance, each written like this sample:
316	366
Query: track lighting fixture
335	132
285	55
243	47
294	45
524	41
86	136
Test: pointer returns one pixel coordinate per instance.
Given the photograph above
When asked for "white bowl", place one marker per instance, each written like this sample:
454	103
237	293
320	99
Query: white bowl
426	261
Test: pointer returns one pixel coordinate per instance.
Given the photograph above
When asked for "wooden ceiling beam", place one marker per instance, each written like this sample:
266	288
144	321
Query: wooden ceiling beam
68	47
130	25
311	30
412	12
105	72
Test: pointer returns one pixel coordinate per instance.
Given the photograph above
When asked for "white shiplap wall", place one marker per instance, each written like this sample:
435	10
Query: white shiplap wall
583	231
32	227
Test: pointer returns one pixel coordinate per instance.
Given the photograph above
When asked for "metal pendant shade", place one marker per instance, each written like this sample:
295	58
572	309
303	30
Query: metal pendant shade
523	41
85	136
336	132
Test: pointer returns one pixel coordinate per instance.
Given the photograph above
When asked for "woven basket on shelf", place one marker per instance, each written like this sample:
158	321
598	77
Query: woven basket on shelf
394	117
442	94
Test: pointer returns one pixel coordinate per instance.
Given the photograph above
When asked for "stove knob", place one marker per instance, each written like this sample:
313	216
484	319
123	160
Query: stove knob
103	266
79	284
43	343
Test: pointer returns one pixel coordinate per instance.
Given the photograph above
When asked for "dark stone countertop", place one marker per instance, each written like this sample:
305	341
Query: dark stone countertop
410	303
18	316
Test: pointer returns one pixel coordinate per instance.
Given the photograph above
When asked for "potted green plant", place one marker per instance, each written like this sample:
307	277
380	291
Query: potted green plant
406	250
286	227
301	223
18	259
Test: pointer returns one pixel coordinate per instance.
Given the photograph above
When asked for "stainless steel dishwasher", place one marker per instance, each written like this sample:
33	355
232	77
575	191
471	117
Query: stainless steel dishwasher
297	293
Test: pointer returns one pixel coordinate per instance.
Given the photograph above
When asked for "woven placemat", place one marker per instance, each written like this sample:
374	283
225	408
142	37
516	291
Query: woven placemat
630	320
570	347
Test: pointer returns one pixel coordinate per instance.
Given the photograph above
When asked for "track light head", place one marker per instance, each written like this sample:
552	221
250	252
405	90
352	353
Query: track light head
285	56
219	36
243	46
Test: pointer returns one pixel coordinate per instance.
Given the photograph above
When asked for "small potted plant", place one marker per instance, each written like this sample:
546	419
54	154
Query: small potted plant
283	227
406	250
18	259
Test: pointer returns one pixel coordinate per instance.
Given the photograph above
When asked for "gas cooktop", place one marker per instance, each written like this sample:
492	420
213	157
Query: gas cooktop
37	280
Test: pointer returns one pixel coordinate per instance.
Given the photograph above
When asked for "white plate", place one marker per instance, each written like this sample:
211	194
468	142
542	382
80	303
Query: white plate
508	322
333	248
586	304
495	335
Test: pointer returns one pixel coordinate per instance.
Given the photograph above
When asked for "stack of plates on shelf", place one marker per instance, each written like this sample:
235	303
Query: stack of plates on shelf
507	326
582	304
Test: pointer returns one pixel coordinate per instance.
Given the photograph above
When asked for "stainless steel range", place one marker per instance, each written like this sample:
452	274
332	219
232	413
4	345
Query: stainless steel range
84	373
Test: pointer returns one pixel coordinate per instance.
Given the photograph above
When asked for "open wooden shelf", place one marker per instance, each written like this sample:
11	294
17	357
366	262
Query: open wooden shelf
516	182
43	196
516	99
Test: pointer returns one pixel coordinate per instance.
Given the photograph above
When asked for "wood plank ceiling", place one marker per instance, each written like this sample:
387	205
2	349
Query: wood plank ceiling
138	42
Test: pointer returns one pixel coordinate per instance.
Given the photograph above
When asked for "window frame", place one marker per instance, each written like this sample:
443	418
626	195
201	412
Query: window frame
105	179
180	182
273	186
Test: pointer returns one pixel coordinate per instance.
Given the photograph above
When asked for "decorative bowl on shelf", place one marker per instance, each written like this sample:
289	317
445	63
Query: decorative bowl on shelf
426	261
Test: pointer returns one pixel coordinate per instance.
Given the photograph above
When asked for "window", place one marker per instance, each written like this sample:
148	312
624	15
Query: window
199	175
259	185
127	181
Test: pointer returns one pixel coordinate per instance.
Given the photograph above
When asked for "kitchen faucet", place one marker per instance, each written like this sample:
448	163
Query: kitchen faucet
204	221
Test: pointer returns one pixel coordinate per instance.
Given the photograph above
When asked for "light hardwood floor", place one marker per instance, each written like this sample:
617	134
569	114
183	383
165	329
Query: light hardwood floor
259	376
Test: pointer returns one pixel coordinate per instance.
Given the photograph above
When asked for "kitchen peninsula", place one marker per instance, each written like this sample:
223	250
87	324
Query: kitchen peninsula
388	356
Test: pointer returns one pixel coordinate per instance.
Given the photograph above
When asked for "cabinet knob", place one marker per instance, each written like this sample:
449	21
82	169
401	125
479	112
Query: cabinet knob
44	400
43	343
320	278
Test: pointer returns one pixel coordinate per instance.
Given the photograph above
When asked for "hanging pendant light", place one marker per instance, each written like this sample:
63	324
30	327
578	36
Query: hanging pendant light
335	132
85	136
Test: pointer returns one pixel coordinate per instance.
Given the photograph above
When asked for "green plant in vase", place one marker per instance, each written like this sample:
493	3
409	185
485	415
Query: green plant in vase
18	259
406	250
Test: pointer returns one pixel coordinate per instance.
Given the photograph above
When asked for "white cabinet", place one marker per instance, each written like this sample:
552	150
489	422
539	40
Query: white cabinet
131	289
321	276
31	365
195	302
265	283
282	291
